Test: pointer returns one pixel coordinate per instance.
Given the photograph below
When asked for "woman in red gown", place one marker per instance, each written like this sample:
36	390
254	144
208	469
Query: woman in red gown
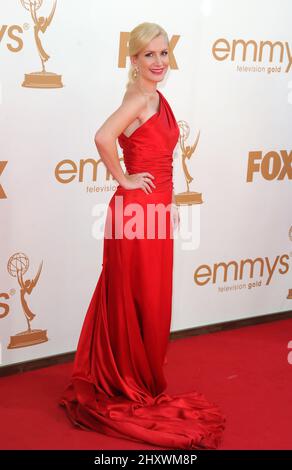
118	384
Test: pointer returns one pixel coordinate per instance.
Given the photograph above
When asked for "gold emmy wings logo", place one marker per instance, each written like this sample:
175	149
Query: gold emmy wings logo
188	197
43	78
17	266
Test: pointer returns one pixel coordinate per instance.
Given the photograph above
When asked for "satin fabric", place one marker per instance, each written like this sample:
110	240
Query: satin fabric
118	385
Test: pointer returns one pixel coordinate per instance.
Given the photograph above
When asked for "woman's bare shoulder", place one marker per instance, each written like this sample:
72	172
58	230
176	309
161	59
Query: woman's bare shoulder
134	98
132	106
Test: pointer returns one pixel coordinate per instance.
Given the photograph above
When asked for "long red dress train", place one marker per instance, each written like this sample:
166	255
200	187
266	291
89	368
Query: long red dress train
118	384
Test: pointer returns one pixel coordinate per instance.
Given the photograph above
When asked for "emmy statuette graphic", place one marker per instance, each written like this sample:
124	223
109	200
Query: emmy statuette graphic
17	266
289	295
188	197
42	79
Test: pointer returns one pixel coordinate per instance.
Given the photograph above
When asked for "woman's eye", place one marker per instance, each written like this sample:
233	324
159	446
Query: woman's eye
150	53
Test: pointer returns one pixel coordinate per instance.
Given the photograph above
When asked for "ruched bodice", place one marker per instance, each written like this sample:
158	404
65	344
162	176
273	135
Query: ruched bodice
150	147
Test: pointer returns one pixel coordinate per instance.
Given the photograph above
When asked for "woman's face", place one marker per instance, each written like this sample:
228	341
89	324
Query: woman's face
153	61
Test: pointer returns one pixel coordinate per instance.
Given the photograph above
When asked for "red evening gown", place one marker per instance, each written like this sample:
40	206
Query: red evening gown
118	384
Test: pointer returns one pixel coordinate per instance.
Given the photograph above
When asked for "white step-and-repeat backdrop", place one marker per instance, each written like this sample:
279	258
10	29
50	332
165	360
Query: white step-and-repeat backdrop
63	70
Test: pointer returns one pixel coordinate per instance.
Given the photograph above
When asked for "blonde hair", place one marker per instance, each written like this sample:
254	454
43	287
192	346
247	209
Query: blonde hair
140	36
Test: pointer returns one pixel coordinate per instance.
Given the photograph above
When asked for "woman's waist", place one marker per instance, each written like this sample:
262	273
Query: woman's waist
162	192
161	173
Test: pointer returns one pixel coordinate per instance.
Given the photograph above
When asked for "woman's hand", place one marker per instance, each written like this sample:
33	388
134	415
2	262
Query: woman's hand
175	218
139	180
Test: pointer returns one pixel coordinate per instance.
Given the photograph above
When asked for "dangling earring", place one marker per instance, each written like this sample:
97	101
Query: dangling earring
135	73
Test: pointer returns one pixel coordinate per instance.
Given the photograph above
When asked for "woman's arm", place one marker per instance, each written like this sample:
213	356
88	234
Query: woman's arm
106	136
107	149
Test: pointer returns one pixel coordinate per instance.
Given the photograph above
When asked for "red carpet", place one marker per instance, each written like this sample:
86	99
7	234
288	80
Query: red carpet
245	371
